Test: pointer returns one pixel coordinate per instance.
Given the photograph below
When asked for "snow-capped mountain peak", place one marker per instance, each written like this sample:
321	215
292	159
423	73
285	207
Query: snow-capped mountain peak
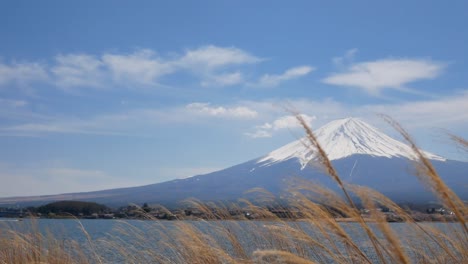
342	138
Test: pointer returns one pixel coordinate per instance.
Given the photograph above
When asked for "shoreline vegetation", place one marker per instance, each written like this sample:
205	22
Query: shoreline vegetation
322	235
87	210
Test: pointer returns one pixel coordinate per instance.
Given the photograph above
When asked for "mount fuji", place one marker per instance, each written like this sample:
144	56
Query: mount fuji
361	154
343	138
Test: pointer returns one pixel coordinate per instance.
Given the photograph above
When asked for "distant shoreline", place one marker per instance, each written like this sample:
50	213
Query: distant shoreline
338	219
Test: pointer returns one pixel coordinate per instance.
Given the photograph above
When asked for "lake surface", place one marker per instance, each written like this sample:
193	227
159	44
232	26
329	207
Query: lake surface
115	241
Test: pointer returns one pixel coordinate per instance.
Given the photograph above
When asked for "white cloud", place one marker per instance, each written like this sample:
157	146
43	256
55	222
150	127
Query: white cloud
444	112
450	112
140	67
212	65
284	122
375	76
144	121
346	58
78	70
210	57
206	62
221	111
22	73
111	70
292	73
288	122
259	134
136	122
270	109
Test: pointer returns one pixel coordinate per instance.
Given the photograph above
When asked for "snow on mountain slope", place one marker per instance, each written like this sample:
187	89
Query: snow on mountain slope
342	138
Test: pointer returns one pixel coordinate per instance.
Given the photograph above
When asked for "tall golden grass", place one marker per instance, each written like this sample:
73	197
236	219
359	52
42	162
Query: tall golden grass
312	234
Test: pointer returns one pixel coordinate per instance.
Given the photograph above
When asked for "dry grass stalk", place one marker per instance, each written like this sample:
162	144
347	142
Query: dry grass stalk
325	161
34	247
274	256
430	176
459	140
428	233
381	222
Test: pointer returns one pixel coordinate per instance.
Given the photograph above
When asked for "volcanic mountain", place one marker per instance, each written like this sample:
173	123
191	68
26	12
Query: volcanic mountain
343	138
361	154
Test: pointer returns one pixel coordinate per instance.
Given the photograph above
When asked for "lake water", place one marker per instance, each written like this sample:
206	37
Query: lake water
118	241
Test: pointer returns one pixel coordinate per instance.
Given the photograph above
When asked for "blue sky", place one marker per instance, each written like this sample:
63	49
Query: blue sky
104	94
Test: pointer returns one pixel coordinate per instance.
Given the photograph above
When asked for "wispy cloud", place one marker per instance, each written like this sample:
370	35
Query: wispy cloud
212	57
348	57
271	80
145	68
22	73
135	122
206	109
142	67
450	112
375	76
288	122
284	122
447	112
78	70
259	134
210	65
